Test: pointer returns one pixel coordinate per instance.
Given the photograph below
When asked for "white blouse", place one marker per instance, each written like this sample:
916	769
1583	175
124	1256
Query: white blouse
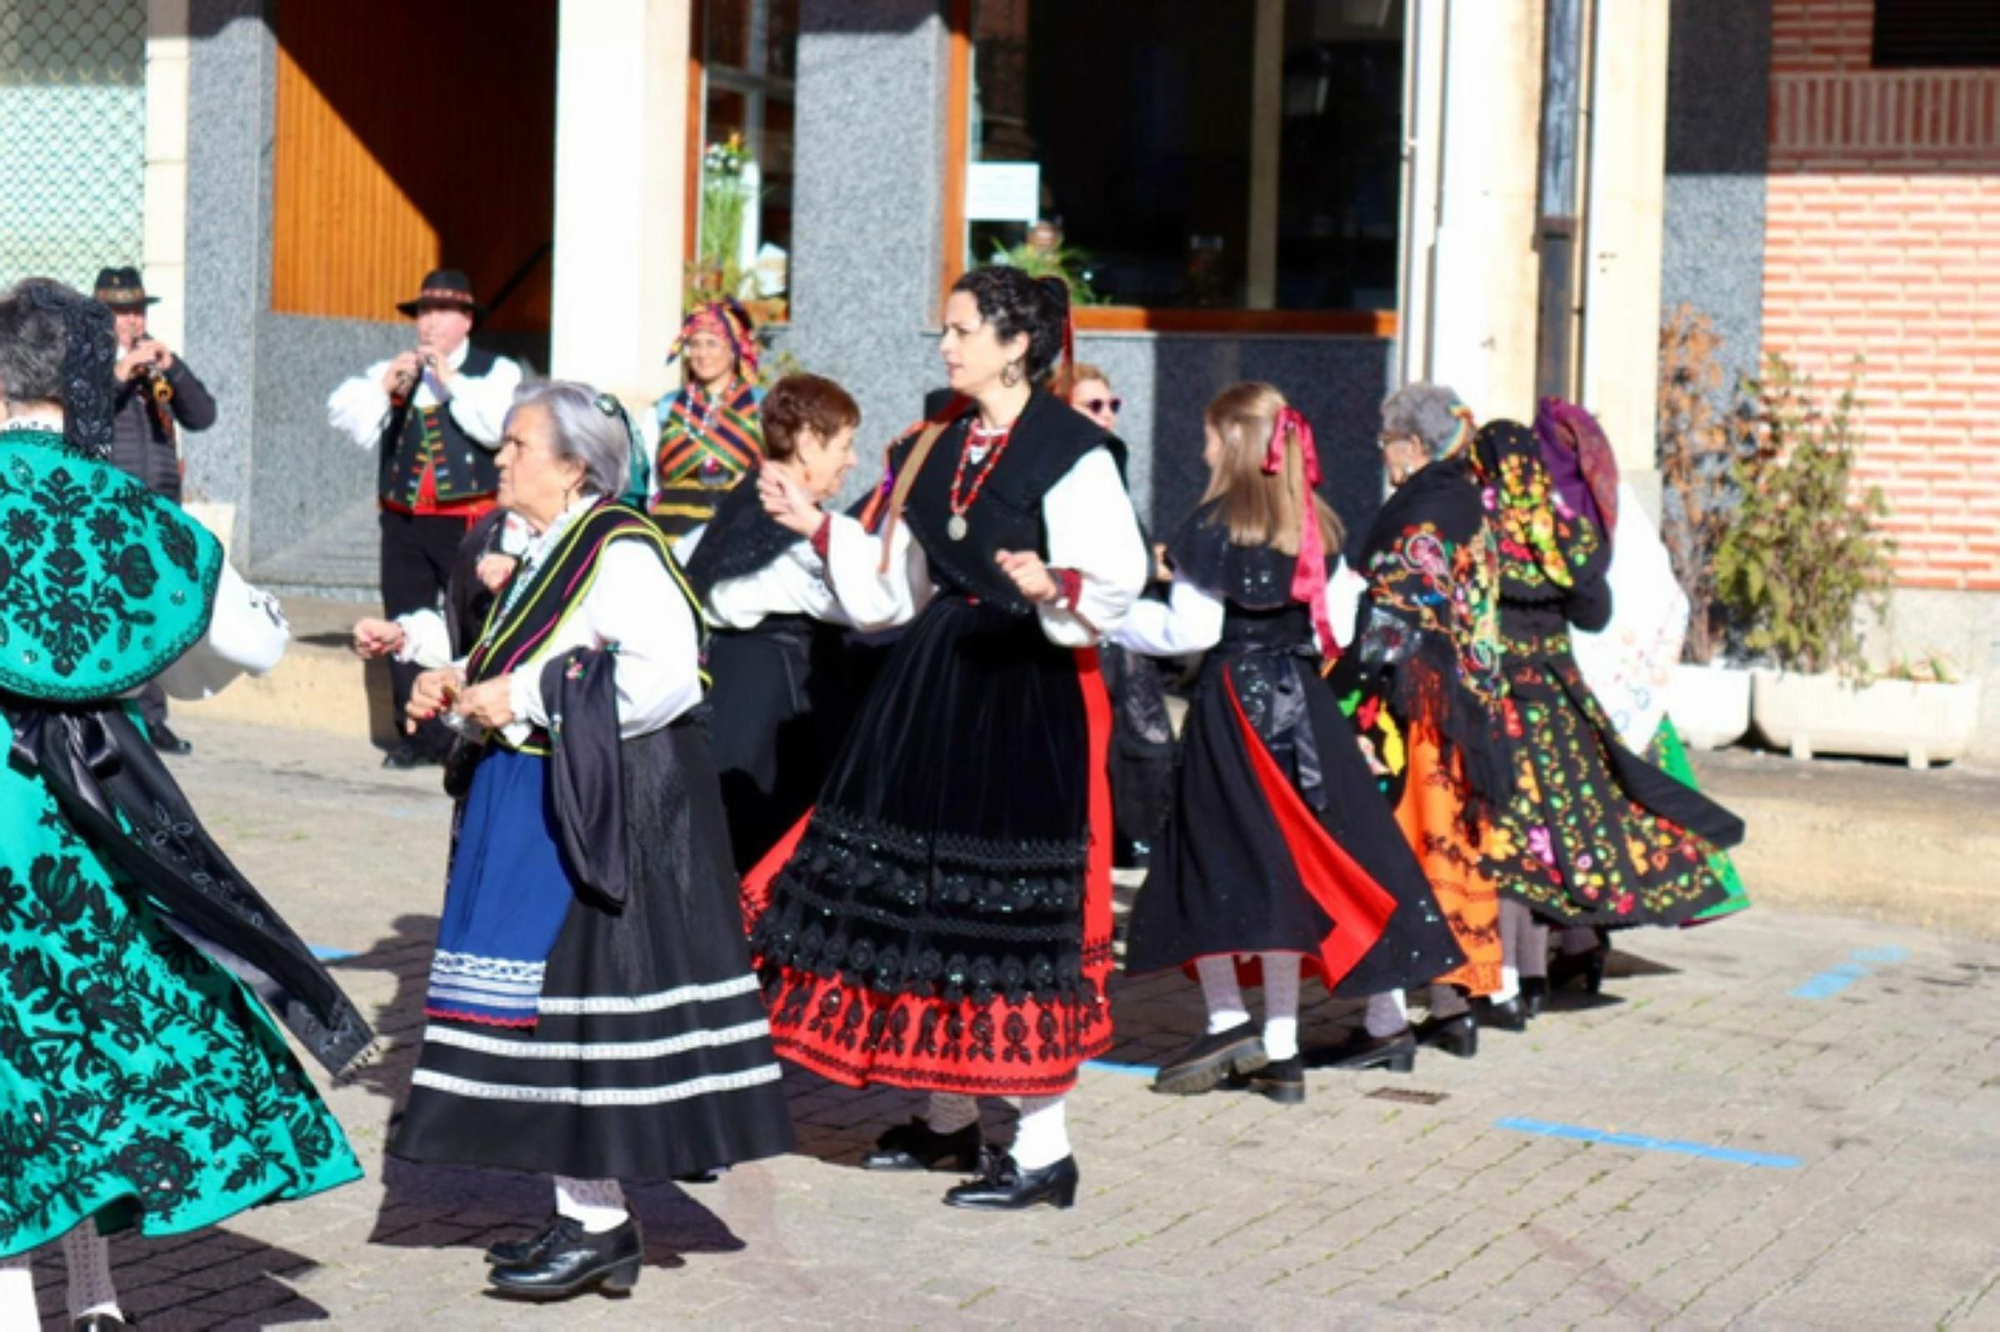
479	403
246	632
1092	530
632	605
1190	619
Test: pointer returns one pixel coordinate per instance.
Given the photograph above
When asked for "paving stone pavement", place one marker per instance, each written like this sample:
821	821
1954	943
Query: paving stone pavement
1385	1201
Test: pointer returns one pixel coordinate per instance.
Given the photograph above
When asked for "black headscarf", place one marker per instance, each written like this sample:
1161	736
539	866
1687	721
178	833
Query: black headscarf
90	347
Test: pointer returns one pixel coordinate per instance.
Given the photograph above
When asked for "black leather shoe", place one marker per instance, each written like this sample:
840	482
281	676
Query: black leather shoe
1454	1035
508	1252
573	1261
403	758
1283	1080
1566	969
1506	1014
1003	1186
914	1146
1397	1053
166	742
99	1322
1534	995
1203	1065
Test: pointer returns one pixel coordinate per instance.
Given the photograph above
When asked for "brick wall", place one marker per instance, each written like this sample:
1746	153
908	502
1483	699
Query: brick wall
1883	241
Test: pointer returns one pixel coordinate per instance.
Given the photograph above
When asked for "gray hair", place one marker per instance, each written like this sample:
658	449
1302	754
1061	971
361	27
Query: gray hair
1431	412
590	429
32	345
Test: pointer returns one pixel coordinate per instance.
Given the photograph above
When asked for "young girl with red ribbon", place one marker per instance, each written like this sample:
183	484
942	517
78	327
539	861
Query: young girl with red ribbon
1280	857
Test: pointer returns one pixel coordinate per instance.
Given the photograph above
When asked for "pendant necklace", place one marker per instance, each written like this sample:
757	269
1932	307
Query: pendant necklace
991	443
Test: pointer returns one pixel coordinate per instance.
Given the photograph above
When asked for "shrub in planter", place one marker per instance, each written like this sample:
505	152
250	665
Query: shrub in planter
1802	552
1702	445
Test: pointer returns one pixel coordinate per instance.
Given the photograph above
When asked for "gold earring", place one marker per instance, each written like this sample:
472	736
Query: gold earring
1011	375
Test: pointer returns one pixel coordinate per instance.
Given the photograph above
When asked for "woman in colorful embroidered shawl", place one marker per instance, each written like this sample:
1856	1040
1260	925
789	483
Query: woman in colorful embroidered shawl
1423	685
1592	834
706	435
142	1086
1278	857
591	1011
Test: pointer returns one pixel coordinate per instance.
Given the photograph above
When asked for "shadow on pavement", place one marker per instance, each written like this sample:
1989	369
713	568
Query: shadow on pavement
177	1283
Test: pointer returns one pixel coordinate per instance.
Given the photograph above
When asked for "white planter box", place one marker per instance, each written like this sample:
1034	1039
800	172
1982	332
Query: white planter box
1710	705
1921	722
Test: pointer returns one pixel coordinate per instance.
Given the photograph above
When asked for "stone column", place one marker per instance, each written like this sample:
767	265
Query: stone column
1623	212
621	155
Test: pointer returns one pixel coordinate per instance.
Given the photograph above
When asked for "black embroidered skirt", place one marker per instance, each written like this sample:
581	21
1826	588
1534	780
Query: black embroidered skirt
944	920
650	1056
1280	841
1594	834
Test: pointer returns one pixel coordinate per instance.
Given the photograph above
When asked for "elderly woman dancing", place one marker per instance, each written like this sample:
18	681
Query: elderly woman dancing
591	1010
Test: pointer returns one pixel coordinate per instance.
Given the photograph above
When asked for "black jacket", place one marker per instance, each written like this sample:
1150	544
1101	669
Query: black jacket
142	437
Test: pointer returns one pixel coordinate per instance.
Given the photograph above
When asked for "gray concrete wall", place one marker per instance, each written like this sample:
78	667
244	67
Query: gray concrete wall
1718	111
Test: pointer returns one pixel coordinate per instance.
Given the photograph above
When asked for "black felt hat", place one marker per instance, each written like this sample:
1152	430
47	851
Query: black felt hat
445	286
122	288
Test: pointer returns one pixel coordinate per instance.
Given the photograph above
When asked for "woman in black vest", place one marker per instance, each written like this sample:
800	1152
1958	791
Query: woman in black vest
943	920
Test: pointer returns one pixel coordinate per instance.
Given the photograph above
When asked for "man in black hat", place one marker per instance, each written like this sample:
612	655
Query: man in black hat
156	393
435	414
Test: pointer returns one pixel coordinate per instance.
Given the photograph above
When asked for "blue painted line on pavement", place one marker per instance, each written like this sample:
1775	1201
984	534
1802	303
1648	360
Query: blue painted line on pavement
326	954
1578	1133
1860	962
1135	1070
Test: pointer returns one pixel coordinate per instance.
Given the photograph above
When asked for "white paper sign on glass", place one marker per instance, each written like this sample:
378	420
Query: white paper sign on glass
1003	192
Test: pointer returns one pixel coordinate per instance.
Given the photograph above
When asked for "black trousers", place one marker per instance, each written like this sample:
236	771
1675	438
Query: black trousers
417	554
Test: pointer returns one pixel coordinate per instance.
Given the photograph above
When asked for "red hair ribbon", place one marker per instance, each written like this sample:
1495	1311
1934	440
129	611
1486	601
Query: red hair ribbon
1309	576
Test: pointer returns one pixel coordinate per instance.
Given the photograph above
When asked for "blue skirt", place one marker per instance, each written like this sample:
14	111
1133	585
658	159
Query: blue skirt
508	894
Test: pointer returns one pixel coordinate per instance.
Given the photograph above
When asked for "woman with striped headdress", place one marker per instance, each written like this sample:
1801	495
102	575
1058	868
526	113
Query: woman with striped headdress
709	433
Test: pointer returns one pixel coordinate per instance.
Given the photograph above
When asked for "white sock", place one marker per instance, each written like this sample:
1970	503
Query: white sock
1281	1004
1446	1001
1218	986
1510	985
598	1203
1043	1137
949	1112
87	1255
17	1292
1387	1014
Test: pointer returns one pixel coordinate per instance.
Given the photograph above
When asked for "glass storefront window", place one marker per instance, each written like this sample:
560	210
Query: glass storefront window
743	229
1220	155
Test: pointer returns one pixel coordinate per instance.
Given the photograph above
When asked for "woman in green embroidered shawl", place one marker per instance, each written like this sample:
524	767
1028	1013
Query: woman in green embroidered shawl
142	1086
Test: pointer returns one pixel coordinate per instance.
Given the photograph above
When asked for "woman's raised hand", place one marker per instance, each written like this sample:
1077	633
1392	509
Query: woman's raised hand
785	500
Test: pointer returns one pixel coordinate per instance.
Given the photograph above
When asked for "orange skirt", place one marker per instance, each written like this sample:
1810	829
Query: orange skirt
1429	817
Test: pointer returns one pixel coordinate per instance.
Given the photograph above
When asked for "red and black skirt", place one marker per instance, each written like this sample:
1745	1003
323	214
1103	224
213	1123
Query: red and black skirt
942	919
1279	840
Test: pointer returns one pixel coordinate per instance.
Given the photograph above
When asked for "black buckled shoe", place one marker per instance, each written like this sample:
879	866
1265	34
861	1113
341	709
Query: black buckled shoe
1396	1053
1534	995
1003	1186
1458	1035
508	1252
1566	969
99	1322
573	1261
916	1146
166	742
1505	1014
1202	1066
1282	1080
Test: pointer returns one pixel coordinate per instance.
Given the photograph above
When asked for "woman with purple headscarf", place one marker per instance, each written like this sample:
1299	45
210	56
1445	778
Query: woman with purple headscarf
1593	835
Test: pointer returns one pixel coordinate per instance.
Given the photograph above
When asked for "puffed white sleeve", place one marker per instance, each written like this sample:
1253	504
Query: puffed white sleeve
871	596
1094	534
246	632
1188	621
357	406
479	403
426	639
633	606
792	584
1343	602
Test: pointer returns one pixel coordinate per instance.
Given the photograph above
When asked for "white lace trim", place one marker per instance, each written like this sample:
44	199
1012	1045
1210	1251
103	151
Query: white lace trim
653	1003
598	1097
471	966
606	1050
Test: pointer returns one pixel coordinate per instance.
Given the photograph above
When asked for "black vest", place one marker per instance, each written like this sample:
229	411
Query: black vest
1048	440
414	436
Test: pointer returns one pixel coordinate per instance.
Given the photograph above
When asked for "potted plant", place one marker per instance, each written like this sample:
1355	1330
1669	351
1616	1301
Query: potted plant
1699	446
1801	558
